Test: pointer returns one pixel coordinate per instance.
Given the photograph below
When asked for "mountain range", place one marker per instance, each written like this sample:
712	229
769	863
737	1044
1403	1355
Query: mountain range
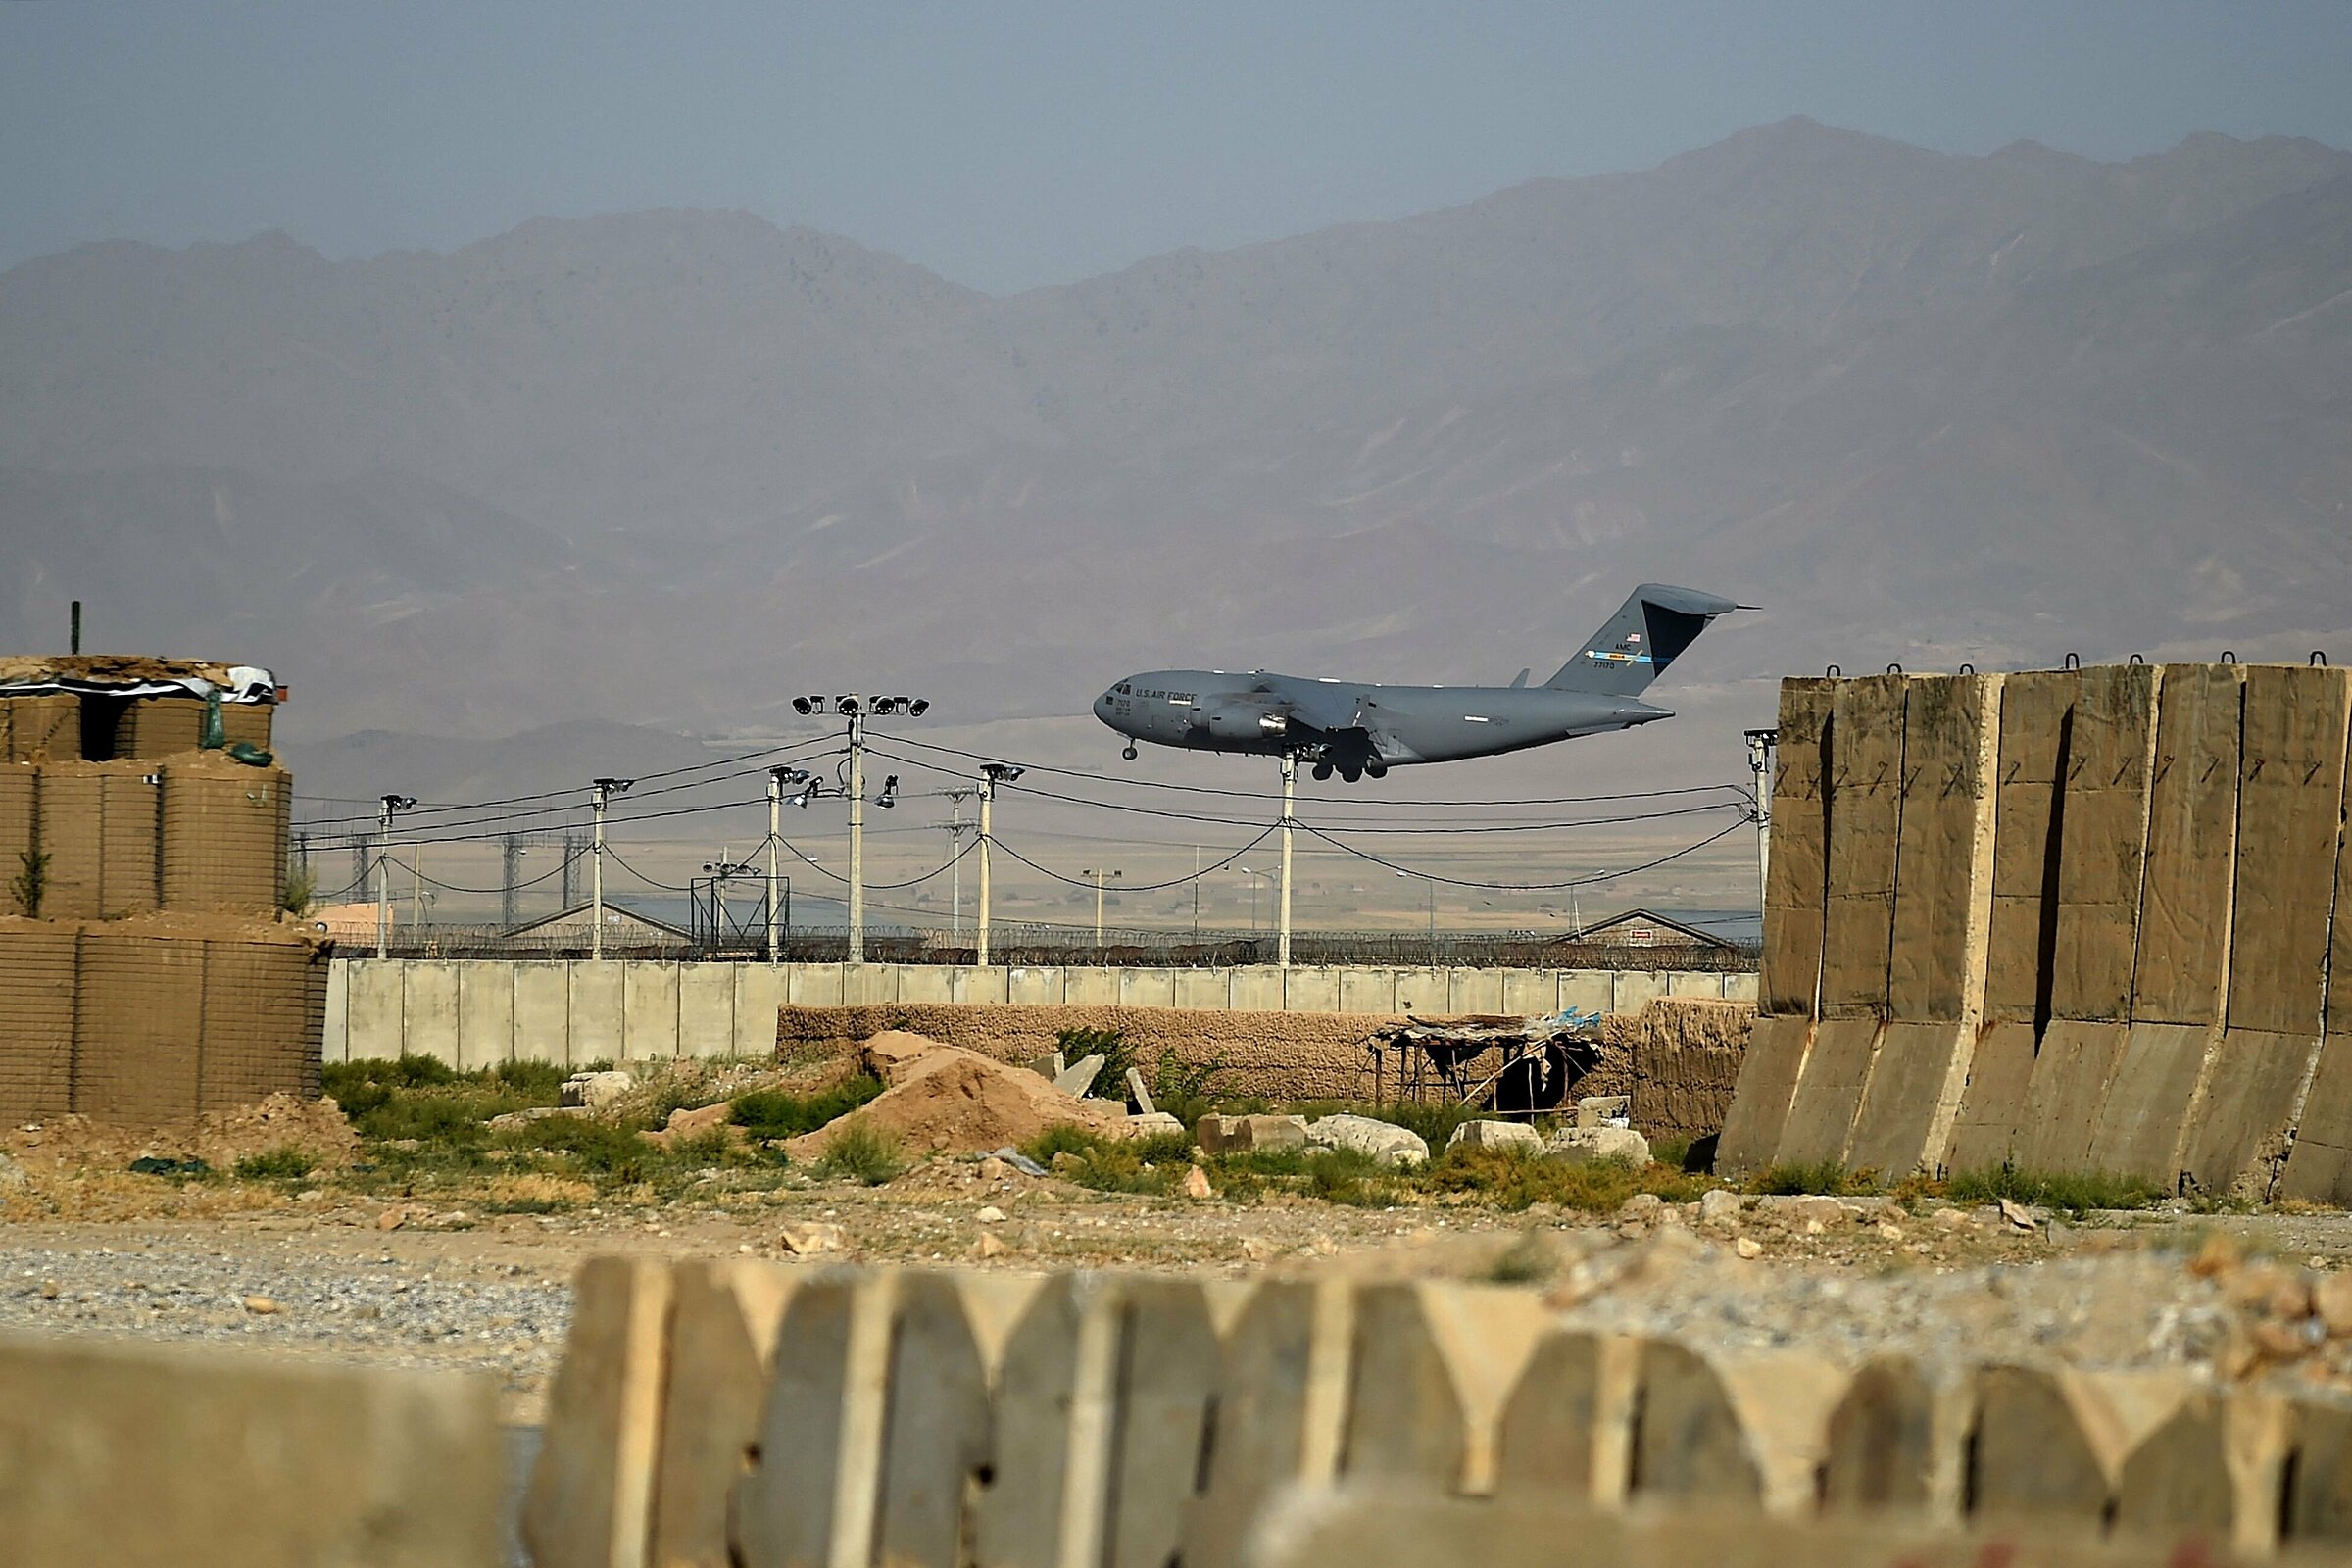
671	467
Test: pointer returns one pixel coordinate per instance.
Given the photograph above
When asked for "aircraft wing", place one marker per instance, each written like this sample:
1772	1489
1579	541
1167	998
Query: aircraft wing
1322	705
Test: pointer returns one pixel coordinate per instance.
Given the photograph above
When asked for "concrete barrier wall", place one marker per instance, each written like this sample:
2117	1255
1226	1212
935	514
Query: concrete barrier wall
475	1014
717	1413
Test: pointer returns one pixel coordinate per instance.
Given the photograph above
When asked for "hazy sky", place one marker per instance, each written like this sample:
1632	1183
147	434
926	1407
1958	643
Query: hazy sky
1012	145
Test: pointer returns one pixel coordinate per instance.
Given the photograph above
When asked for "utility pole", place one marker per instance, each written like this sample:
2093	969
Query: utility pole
1763	746
605	789
775	841
856	713
992	775
1196	893
1290	791
386	808
1098	873
955	800
511	866
855	709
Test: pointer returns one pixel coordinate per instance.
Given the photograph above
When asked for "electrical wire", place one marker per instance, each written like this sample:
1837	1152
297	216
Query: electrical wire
1533	887
1261	794
1135	887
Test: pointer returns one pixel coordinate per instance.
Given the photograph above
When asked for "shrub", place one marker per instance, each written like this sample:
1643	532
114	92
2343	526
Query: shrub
539	1082
1514	1179
860	1154
284	1164
1182	1088
772	1114
591	1146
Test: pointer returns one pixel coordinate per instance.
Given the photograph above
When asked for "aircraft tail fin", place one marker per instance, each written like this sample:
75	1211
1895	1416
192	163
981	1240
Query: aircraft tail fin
1634	646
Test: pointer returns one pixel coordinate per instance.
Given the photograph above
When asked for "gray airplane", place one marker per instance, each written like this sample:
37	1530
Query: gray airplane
1354	728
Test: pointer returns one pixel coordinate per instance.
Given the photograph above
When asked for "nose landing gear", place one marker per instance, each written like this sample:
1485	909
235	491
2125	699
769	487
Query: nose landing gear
1129	753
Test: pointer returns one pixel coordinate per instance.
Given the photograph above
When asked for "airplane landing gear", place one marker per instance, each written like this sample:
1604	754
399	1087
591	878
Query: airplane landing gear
1129	753
1377	770
1322	770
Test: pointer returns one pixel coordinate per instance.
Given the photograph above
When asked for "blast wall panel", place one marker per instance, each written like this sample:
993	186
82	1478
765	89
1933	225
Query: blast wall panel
1797	873
2291	799
1864	811
1943	901
2192	838
2102	847
2036	714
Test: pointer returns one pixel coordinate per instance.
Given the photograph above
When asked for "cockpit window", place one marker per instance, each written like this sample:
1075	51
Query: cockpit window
1124	690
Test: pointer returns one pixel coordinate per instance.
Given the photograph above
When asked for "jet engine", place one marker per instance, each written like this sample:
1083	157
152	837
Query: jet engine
1245	718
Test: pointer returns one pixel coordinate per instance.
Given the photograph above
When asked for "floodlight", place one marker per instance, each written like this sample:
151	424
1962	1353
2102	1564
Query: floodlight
919	707
802	705
889	792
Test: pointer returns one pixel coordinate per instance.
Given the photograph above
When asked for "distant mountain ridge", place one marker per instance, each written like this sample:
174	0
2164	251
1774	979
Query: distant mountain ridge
677	465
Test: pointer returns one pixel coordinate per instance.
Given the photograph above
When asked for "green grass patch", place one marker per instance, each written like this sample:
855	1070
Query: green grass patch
860	1154
774	1114
1515	1179
421	1097
284	1163
2073	1194
589	1148
1826	1178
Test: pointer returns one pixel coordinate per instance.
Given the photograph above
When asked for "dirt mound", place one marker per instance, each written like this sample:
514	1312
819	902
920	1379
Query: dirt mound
219	1137
952	1101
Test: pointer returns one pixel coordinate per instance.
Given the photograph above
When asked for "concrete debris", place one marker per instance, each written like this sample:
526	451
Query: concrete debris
989	1214
510	1120
1151	1124
595	1091
1383	1141
1242	1134
1079	1076
1516	1135
1196	1183
811	1238
1604	1110
1138	1095
2016	1214
1584	1144
1019	1161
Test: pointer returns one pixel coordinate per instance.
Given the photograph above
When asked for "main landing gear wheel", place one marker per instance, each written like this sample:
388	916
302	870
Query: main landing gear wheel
1129	753
1322	770
1377	770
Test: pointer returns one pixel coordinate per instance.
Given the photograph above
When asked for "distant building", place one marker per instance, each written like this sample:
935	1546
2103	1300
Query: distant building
346	922
623	927
1646	928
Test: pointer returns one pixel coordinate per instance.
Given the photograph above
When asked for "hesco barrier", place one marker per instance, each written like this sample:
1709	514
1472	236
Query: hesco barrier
2070	920
721	1412
225	832
17	795
36	729
97	823
36	1016
156	1019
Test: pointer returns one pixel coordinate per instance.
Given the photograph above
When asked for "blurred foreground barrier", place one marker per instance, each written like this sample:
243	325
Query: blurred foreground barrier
722	1413
1366	1529
129	1457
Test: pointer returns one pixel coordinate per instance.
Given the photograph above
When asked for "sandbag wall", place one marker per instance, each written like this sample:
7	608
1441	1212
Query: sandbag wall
156	1019
2070	920
725	1413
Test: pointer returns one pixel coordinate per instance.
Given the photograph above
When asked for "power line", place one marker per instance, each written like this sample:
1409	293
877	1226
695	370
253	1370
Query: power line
1532	887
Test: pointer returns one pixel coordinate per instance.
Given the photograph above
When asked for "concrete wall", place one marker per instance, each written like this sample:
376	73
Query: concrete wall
478	1012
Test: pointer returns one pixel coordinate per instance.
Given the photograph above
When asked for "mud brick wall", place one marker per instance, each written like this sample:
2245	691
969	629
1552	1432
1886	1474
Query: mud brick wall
225	832
1279	1055
1685	1063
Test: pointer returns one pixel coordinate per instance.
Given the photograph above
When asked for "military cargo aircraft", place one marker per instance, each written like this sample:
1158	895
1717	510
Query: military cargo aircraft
1356	729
